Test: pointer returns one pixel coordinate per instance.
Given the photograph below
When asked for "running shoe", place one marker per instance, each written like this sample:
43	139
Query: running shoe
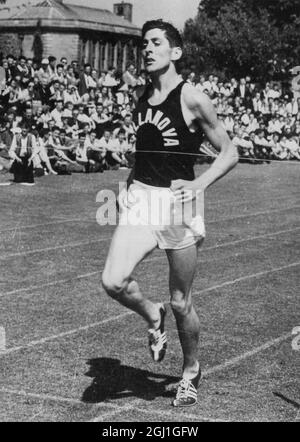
158	338
187	392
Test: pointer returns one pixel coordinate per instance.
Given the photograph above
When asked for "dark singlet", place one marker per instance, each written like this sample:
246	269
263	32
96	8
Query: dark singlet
162	128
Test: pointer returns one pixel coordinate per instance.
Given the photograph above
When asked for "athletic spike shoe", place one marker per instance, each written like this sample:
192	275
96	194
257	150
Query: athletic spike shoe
187	392
158	338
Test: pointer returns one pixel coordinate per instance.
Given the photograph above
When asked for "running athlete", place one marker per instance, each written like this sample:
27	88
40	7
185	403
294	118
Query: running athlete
171	118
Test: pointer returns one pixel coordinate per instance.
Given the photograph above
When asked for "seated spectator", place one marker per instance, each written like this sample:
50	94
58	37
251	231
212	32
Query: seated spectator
130	154
262	147
253	124
81	153
60	74
105	144
60	153
243	143
57	112
118	149
6	137
72	79
43	73
22	151
129	76
292	144
278	149
41	161
83	118
56	93
96	153
110	78
126	126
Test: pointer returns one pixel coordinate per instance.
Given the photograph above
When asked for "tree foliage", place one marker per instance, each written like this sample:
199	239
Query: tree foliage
239	37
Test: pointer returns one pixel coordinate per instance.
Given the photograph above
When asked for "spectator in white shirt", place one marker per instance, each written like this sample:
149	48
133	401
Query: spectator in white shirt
42	159
201	86
83	118
110	80
119	149
292	144
253	124
229	121
129	76
22	151
56	114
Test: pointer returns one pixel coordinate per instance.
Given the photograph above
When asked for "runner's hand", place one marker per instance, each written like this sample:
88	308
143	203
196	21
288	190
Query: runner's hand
185	191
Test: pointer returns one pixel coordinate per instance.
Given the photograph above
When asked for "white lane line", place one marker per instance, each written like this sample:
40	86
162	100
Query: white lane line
85	220
83	243
64	334
129	313
244	278
192	417
88	275
43	397
48	249
247	354
119	409
217	368
48	223
251	238
70	401
49	284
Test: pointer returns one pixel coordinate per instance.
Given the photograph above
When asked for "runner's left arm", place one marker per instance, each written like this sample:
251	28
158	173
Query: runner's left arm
201	110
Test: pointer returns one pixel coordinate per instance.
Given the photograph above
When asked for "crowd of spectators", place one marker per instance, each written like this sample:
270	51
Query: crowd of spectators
58	117
263	122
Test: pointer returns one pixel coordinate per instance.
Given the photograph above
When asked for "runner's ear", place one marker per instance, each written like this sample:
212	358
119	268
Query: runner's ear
176	54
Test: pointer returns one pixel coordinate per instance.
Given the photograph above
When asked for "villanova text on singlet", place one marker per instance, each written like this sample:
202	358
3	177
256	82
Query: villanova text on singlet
161	128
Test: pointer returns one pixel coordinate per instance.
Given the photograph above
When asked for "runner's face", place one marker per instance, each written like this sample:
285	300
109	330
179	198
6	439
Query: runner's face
156	51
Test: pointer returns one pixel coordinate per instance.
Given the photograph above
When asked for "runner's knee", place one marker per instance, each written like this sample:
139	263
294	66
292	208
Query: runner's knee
180	303
114	285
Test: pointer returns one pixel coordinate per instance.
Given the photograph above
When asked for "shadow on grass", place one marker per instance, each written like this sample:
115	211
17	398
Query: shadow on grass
112	380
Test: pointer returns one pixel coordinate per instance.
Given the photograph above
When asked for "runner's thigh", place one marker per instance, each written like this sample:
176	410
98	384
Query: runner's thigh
130	244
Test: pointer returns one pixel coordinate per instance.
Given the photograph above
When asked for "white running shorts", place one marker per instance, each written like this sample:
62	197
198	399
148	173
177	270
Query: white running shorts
173	223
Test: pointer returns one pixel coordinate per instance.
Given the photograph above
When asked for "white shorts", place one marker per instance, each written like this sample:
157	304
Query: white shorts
174	224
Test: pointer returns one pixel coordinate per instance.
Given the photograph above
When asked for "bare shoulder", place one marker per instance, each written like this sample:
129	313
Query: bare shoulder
198	103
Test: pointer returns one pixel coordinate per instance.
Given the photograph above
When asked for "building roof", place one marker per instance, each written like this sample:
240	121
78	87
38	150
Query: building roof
55	14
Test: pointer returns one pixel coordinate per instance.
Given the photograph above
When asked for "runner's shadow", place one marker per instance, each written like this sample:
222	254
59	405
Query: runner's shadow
114	381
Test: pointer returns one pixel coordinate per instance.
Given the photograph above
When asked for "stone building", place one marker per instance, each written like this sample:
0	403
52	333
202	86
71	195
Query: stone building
97	36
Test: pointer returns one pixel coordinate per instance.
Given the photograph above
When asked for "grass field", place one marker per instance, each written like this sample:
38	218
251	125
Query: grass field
72	354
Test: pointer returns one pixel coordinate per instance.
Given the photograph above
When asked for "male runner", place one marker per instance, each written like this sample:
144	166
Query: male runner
171	116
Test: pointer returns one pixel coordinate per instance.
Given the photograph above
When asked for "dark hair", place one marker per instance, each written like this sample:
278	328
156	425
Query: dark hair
44	132
172	34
